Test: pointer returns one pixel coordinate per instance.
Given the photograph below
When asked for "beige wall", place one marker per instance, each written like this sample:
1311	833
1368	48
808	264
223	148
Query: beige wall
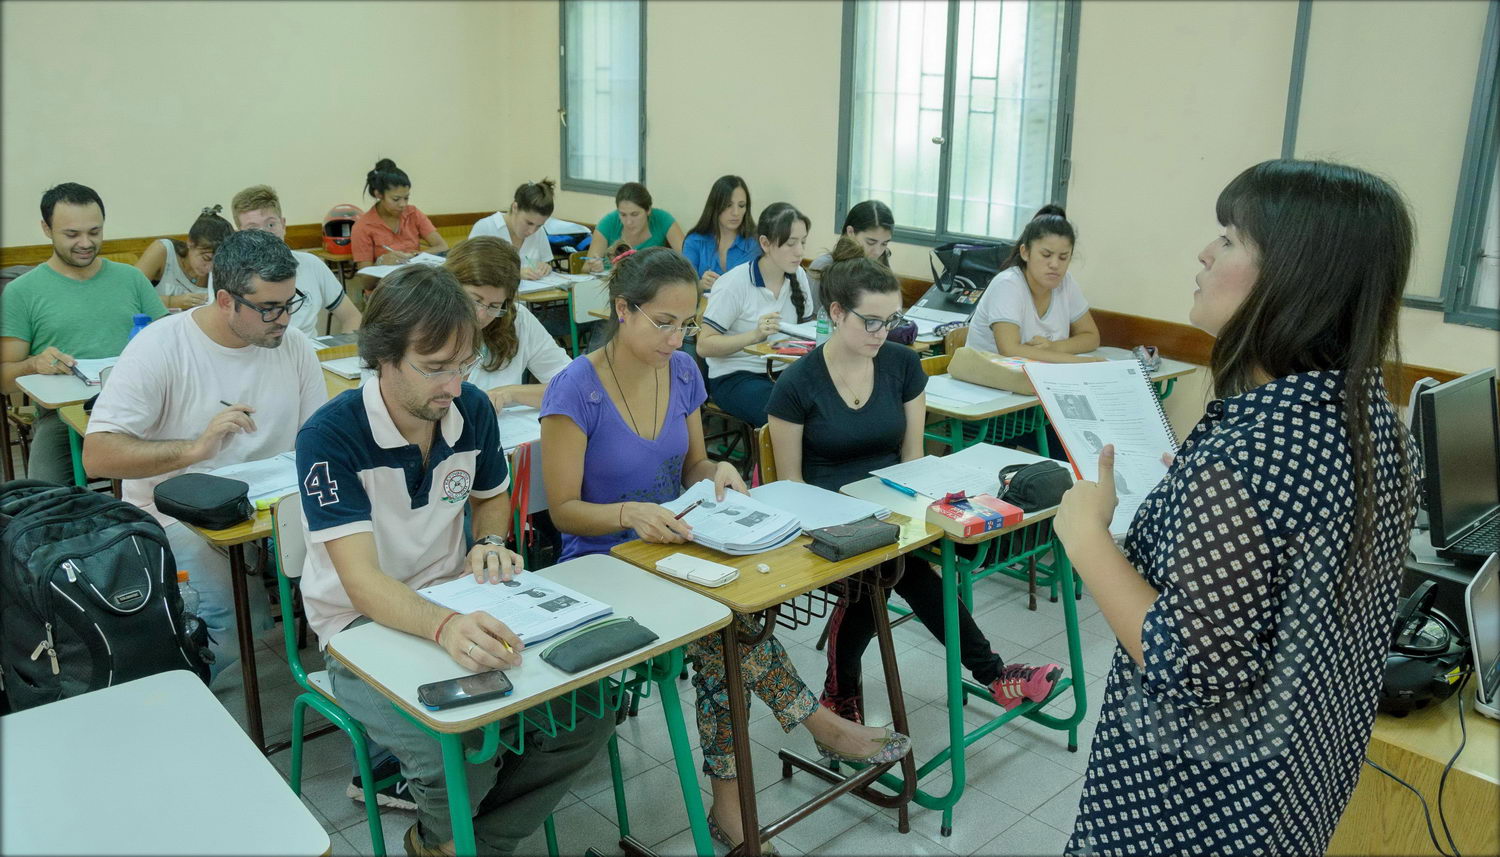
167	107
1173	99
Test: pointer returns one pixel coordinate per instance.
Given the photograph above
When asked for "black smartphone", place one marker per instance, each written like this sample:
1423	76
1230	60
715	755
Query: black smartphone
463	690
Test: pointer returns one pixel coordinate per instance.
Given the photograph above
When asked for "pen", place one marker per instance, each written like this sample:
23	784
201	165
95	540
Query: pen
225	404
690	508
74	370
899	487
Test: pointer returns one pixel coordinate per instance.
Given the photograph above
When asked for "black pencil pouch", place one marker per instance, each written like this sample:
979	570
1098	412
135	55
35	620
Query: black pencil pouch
1039	485
203	500
594	644
836	544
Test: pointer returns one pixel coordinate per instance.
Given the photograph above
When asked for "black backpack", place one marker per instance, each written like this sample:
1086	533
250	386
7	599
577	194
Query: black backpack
88	595
967	271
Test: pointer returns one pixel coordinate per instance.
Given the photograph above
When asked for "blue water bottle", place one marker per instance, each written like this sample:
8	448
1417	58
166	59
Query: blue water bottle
140	322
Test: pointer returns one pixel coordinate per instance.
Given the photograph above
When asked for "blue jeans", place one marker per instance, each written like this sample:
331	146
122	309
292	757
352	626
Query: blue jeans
743	395
208	573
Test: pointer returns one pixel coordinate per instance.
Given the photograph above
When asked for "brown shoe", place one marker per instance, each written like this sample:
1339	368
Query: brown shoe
415	847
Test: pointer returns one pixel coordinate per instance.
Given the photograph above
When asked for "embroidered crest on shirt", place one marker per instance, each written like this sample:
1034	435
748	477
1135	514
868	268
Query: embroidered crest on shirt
456	486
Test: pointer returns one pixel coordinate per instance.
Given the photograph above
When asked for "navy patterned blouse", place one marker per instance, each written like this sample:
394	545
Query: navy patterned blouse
1244	731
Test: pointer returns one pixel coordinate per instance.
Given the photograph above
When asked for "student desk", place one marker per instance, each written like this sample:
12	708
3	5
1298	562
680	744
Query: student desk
1010	415
396	663
56	392
1384	818
794	582
151	766
1023	541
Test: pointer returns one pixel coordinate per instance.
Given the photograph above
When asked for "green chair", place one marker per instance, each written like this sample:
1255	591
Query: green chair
317	692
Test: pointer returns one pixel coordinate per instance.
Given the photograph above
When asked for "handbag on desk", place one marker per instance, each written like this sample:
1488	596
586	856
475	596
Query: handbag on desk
837	544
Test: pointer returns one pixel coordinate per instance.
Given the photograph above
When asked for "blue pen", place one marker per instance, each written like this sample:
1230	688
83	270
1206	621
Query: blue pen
899	487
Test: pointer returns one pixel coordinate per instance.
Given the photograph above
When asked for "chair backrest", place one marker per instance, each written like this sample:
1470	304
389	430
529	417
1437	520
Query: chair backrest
955	338
289	536
588	295
767	456
936	364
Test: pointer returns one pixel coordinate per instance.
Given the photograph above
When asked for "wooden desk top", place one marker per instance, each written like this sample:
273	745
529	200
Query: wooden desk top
1433	733
795	570
258	527
396	663
543	296
75	418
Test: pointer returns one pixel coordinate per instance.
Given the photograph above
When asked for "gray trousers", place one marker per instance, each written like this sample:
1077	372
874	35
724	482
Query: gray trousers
509	796
50	460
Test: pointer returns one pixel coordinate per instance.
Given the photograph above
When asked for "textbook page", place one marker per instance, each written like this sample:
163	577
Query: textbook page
951	389
1091	405
519	424
344	367
814	507
92	367
937	476
738	524
268	478
532	606
419	259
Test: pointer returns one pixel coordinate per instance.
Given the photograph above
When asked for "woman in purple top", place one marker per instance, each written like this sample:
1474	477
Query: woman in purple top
622	434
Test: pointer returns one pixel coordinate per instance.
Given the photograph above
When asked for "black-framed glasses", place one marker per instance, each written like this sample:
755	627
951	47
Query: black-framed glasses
445	374
688	329
874	324
272	313
493	310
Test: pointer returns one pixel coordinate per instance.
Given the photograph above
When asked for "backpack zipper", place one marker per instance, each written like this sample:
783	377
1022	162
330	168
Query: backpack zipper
71	569
48	647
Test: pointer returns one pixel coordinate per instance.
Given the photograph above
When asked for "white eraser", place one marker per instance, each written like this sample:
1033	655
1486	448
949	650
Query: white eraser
696	570
763	568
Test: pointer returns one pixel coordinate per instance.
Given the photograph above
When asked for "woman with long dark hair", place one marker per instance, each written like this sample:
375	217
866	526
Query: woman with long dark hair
1254	597
724	236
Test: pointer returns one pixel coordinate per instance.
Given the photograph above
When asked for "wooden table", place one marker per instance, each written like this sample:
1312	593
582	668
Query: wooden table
151	766
796	571
1026	541
342	264
1384	818
396	664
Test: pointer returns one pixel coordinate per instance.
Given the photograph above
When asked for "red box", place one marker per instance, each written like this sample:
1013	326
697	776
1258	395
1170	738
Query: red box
972	516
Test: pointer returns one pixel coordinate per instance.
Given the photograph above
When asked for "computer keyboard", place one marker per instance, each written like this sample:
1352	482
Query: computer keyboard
1484	540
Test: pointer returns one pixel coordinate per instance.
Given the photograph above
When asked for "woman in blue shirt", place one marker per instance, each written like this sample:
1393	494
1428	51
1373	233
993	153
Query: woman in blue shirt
724	235
635	223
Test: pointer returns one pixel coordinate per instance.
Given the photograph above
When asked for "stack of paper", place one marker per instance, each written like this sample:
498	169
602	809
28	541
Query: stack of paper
951	389
344	367
532	606
419	259
268	478
93	367
519	424
553	280
738	524
937	476
814	507
806	330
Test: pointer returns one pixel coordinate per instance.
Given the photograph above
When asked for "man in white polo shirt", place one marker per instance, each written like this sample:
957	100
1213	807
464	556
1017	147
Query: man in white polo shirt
258	207
387	471
163	410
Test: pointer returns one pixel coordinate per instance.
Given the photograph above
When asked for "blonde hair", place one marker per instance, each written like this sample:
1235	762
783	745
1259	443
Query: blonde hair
254	198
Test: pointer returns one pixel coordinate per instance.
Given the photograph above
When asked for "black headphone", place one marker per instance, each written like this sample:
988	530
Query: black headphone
1428	651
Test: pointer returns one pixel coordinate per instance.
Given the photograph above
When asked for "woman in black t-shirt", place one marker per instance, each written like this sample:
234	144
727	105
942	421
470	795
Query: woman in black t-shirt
853	405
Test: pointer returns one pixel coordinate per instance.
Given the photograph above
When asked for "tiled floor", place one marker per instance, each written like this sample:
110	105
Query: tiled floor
1021	797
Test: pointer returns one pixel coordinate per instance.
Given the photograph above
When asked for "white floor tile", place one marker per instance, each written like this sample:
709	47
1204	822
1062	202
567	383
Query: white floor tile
810	834
654	800
877	835
1026	838
1061	809
1017	775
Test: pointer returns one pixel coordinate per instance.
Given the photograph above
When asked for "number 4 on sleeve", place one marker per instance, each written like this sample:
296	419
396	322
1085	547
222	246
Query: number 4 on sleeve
320	484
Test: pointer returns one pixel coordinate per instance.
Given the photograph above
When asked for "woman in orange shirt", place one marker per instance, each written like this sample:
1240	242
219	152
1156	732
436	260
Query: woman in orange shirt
391	231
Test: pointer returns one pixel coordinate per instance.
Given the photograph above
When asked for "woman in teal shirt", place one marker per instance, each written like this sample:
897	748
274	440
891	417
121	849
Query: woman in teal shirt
635	223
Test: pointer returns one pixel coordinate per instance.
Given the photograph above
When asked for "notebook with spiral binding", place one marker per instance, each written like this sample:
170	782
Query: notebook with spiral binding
1091	405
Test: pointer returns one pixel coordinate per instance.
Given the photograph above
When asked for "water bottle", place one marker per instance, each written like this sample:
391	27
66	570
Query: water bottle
140	322
189	594
823	325
192	624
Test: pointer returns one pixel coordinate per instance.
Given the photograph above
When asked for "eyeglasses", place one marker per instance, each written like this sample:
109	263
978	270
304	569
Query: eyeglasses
688	329
492	310
875	325
442	375
273	312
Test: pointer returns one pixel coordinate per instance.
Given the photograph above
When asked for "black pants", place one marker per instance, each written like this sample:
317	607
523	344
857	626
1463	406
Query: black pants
852	626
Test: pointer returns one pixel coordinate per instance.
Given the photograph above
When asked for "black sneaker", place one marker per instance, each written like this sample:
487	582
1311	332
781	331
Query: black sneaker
396	795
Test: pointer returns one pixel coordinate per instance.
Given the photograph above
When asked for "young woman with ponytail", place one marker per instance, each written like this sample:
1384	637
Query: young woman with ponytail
748	305
392	230
180	268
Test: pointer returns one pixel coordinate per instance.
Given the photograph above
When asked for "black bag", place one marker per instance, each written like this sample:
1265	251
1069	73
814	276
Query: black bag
594	644
1039	485
88	595
837	544
211	502
967	271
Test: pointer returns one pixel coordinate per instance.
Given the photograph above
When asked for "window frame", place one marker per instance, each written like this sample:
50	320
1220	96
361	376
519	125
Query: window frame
1062	162
1466	238
577	183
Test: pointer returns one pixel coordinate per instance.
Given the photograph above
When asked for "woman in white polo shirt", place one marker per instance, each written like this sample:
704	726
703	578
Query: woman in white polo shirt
748	305
513	341
522	225
1034	308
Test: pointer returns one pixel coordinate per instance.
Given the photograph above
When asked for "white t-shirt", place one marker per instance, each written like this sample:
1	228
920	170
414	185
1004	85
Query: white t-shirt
322	288
735	304
536	350
536	248
171	378
174	280
1009	299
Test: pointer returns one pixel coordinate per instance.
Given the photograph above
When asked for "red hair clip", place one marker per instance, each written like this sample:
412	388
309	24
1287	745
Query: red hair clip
616	260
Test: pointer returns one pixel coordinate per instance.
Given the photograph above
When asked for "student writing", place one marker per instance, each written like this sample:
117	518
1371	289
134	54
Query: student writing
724	236
180	269
635	223
391	230
522	225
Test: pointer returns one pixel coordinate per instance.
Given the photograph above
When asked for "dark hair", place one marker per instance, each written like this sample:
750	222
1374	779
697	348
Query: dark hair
634	192
1335	245
385	176
536	196
720	197
251	252
209	230
71	193
492	262
416	307
640	275
1048	220
867	215
853	274
776	227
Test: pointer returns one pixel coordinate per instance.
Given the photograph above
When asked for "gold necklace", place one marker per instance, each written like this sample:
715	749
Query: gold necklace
848	386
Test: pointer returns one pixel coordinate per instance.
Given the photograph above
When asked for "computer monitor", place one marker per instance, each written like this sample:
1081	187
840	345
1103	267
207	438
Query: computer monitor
1460	421
1482	603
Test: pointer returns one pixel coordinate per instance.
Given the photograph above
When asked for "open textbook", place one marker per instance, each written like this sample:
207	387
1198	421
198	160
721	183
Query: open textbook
814	507
532	606
738	524
419	259
268	478
1093	404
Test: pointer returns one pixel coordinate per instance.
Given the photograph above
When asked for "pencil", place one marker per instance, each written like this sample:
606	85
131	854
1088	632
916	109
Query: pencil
690	508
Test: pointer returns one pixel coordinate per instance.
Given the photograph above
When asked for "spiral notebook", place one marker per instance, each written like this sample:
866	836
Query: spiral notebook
1093	404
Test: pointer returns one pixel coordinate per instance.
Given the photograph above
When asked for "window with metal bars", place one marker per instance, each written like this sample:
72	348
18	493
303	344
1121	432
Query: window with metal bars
603	106
957	114
1471	276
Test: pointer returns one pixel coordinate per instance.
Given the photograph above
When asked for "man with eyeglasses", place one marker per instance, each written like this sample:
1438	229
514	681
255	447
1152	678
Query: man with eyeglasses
387	472
162	412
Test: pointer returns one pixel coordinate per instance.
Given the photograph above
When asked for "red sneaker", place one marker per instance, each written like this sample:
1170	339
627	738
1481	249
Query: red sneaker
1019	682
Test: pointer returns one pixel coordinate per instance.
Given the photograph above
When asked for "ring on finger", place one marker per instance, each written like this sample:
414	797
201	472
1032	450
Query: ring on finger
470	649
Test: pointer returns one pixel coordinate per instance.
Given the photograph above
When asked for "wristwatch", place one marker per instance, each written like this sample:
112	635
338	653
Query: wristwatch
491	540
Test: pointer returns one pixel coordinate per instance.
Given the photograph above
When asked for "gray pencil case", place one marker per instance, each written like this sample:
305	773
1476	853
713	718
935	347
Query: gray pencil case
594	644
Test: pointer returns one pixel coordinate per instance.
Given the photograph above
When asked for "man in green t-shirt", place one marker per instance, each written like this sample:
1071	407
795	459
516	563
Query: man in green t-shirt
76	305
